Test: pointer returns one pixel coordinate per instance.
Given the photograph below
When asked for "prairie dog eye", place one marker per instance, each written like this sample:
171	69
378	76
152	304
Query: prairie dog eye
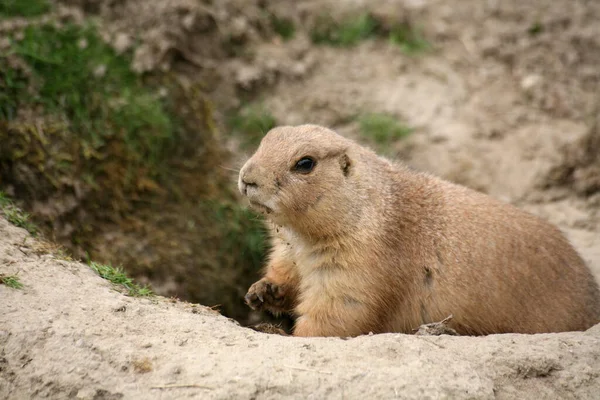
305	165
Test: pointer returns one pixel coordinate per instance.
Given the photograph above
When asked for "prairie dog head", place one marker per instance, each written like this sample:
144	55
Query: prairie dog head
303	177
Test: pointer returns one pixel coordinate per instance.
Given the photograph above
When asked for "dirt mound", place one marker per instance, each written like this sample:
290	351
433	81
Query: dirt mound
69	334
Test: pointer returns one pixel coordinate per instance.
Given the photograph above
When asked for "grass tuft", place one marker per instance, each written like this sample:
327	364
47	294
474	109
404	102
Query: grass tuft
43	246
12	281
23	8
410	39
353	30
345	33
383	129
535	29
117	276
16	216
284	27
251	123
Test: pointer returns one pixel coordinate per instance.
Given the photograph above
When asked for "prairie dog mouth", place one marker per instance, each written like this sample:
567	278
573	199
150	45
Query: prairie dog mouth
260	207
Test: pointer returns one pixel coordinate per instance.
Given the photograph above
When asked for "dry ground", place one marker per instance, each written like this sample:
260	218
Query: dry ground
70	334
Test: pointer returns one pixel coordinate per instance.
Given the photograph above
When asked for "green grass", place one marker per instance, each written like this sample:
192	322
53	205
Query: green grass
16	216
75	75
117	276
283	27
251	123
12	281
13	88
4	200
353	30
246	232
535	29
410	39
23	8
346	33
382	129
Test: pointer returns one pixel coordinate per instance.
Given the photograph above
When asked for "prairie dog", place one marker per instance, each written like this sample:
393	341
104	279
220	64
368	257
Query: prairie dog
361	244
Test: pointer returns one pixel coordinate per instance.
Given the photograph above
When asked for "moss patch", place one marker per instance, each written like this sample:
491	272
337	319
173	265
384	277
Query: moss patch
70	72
79	128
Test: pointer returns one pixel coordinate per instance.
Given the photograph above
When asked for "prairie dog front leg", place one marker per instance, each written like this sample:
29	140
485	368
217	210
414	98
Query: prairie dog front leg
277	290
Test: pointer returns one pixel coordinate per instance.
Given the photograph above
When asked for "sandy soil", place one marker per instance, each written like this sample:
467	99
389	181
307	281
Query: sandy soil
495	108
70	334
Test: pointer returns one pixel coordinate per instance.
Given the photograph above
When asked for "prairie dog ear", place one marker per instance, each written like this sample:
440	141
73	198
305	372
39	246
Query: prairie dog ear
345	164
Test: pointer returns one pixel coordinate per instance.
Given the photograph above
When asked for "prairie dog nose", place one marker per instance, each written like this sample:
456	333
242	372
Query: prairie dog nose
244	184
246	180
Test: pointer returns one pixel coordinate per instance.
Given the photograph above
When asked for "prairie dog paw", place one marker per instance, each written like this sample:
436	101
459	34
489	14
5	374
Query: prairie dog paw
265	295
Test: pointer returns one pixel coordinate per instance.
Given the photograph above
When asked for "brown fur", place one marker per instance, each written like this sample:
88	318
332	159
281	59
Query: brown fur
364	245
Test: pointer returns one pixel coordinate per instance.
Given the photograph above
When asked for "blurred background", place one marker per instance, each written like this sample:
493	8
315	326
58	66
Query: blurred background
123	123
